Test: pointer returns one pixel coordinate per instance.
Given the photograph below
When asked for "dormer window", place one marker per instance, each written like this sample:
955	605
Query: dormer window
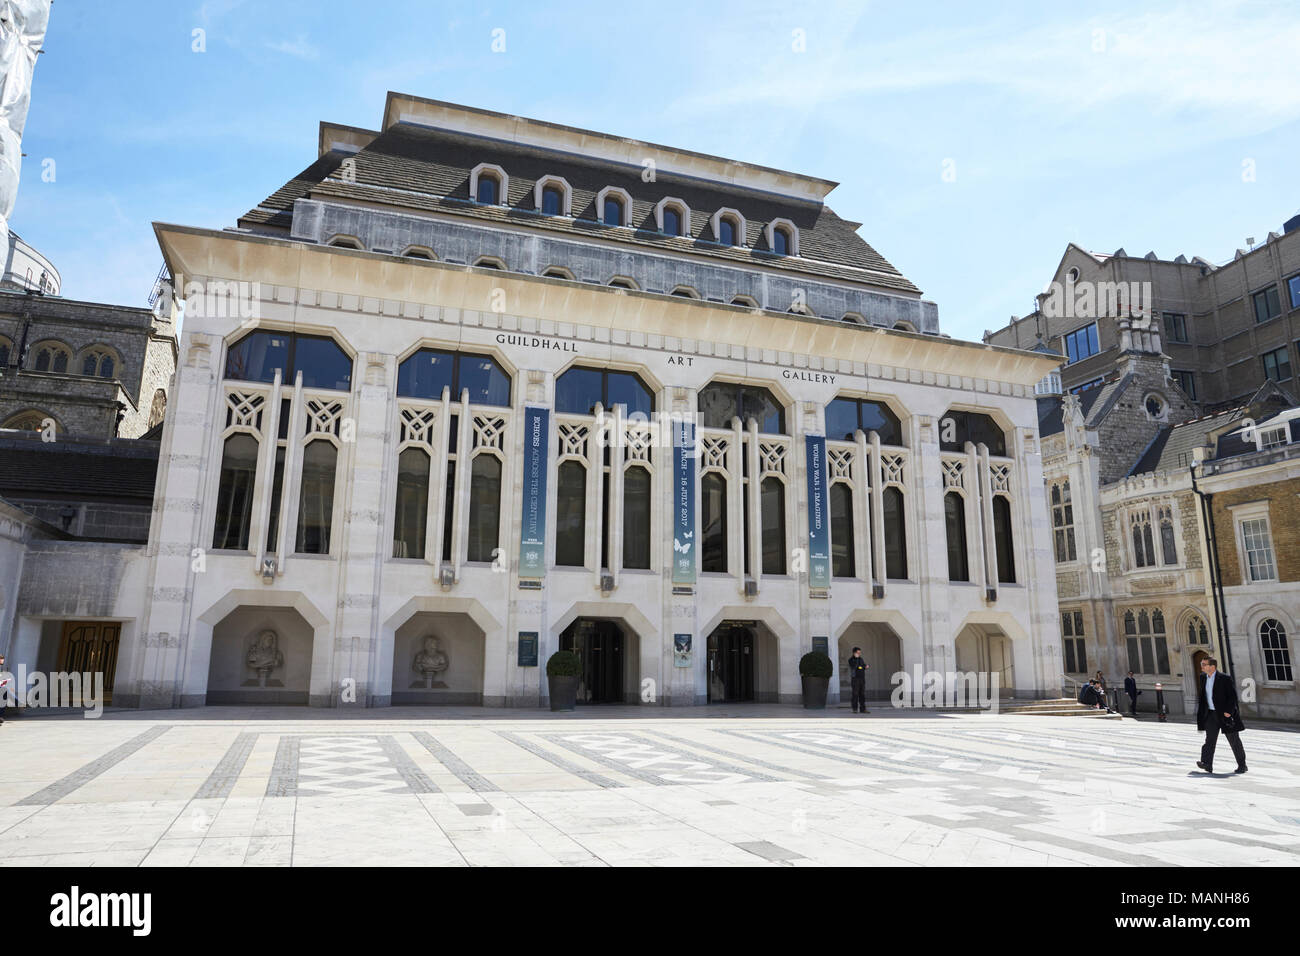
488	184
673	217
489	262
614	206
729	227
552	196
782	237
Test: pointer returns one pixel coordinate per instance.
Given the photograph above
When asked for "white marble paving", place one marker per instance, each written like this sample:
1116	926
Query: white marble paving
768	787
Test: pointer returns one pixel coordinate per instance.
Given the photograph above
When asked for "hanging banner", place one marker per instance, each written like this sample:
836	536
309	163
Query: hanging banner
532	539
819	529
684	544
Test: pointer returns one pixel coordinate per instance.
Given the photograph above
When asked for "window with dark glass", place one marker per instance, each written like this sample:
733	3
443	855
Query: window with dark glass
1167	545
1176	326
1277	364
552	200
277	491
672	221
484	507
772	517
636	518
1076	654
316	502
1063	522
613	211
1267	304
487	189
1002	541
235	493
781	242
895	534
1293	284
579	389
412	514
954	511
842	556
1187	382
720	402
4	354
323	363
726	232
428	371
571	515
844	416
713	522
1082	343
974	428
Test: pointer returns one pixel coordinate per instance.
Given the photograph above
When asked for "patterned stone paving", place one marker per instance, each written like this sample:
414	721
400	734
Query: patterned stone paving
769	786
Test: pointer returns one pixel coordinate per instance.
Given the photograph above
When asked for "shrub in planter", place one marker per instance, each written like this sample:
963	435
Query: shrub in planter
563	669
815	670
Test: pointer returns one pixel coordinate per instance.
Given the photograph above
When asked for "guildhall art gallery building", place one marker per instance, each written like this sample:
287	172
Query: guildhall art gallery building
473	388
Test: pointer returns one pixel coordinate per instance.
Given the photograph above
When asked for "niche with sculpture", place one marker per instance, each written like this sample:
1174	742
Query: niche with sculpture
430	664
264	658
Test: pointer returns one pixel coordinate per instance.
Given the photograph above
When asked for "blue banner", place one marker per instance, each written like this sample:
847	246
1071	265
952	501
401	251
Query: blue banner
819	527
532	539
684	544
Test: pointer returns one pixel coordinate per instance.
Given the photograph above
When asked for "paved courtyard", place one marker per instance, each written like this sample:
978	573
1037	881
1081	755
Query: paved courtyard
746	786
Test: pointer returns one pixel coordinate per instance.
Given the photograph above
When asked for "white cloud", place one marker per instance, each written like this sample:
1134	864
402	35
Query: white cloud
299	47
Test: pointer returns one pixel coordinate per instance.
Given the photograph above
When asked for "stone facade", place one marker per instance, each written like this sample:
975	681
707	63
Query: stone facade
83	395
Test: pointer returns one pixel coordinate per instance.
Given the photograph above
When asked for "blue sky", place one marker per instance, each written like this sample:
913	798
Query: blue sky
1114	126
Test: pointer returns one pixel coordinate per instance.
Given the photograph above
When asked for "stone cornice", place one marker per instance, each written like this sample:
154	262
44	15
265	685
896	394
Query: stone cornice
350	280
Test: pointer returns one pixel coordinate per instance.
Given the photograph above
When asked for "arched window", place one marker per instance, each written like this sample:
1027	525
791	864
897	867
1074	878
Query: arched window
552	200
489	189
954	509
613	211
579	389
484	507
1146	643
781	241
674	217
235	493
713	522
427	372
6	350
412	518
316	500
158	408
895	534
1144	548
844	416
51	357
672	222
636	518
571	515
322	361
1196	631
98	362
1002	540
720	402
31	420
1168	547
726	232
842	551
1277	653
772	519
958	427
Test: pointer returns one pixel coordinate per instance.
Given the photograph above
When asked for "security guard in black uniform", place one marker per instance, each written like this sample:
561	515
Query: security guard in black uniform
858	680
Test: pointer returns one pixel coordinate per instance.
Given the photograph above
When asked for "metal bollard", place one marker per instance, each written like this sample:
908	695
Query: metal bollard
1161	711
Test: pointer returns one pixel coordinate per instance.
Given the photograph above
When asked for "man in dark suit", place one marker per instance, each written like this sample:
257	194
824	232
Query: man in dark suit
1216	710
858	680
1131	689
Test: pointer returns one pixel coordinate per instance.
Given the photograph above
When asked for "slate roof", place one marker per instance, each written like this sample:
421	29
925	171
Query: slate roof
122	469
1172	447
413	167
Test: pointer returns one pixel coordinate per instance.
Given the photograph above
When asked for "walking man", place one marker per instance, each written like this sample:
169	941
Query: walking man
1131	688
1216	710
858	680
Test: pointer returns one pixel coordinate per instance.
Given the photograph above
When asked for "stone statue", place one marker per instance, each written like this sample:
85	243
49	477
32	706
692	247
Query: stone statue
264	655
430	661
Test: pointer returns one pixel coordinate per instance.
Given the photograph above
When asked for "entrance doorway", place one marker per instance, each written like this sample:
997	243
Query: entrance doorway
602	647
90	646
731	656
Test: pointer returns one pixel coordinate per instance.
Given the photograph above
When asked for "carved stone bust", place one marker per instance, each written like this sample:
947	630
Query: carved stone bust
264	655
430	661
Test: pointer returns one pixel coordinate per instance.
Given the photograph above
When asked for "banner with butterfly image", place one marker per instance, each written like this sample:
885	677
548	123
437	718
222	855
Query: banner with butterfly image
684	544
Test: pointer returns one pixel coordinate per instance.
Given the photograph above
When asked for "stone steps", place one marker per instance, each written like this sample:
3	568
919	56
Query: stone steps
1061	707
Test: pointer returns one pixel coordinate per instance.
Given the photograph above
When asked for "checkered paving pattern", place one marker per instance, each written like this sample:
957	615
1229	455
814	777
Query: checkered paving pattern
767	787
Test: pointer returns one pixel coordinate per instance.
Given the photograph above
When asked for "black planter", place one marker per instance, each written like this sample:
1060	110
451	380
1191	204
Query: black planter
814	692
564	692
